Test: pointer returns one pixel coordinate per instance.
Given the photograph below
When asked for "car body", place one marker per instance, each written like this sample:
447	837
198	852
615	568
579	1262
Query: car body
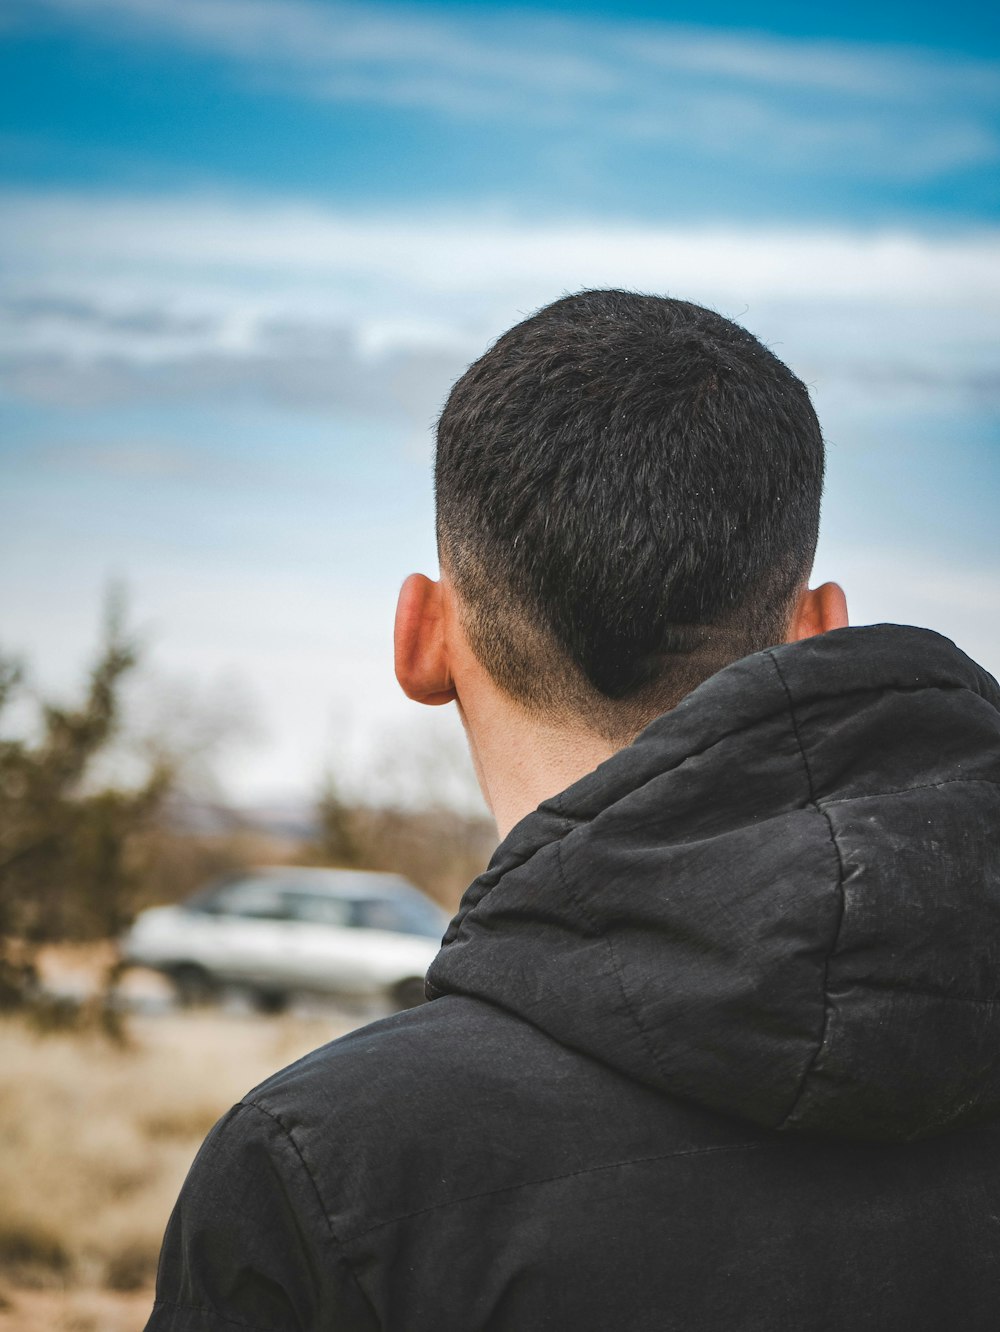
275	931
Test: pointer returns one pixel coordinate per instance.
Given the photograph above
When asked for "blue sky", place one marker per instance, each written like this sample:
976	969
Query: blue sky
247	244
850	115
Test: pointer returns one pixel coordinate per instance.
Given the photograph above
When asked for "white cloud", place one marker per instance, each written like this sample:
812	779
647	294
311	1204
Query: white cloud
122	298
214	243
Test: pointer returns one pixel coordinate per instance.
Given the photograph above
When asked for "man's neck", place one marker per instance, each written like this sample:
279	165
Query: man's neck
521	761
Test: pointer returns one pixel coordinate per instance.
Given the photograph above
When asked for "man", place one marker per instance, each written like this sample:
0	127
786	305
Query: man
714	1043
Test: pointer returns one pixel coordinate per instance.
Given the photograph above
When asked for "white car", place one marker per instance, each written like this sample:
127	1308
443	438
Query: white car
276	931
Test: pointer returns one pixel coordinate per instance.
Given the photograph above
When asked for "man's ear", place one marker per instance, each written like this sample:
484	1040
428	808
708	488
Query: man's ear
423	668
817	611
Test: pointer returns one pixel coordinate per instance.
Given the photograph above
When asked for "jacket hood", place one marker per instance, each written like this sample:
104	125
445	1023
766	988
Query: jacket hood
781	902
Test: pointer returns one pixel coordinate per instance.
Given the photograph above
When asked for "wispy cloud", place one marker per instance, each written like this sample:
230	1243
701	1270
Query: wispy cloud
817	105
438	254
882	73
122	300
407	386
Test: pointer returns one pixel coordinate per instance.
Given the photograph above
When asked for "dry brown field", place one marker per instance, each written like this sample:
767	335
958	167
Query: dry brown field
95	1141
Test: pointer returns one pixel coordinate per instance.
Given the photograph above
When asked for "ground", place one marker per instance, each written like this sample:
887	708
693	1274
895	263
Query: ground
75	1310
95	1140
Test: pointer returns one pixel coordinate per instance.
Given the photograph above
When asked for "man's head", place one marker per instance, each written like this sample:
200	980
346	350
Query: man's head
628	492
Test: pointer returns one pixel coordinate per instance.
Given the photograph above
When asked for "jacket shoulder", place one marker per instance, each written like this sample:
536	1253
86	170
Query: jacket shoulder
459	1098
249	1242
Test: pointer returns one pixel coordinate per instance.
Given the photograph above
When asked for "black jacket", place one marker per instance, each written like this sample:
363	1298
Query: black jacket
715	1044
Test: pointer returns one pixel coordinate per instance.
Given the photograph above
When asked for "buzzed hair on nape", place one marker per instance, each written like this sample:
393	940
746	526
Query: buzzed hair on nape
628	492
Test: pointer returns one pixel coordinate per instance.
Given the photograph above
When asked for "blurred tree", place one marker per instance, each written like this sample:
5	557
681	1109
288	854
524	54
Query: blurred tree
337	841
441	850
70	854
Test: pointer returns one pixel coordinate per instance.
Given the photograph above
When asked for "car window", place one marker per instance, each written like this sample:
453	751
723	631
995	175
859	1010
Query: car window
375	913
258	901
318	908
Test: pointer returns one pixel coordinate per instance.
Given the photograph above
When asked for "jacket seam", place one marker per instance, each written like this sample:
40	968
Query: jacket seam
553	1179
905	790
927	991
253	1105
831	950
630	1008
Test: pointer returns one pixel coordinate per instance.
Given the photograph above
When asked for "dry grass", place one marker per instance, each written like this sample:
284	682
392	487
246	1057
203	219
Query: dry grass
74	1310
95	1142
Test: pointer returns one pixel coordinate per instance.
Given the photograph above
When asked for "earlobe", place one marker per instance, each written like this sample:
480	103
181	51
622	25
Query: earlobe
420	643
818	610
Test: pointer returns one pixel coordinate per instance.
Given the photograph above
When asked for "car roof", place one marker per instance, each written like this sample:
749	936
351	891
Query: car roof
327	882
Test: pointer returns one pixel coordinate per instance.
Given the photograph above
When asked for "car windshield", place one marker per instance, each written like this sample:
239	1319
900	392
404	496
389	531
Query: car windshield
404	915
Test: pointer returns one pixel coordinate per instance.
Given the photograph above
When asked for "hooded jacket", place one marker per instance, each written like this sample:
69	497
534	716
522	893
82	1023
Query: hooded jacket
714	1044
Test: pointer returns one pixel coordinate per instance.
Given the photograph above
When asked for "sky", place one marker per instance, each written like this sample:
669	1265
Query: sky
246	246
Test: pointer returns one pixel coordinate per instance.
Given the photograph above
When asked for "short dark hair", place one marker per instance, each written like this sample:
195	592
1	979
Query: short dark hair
628	492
